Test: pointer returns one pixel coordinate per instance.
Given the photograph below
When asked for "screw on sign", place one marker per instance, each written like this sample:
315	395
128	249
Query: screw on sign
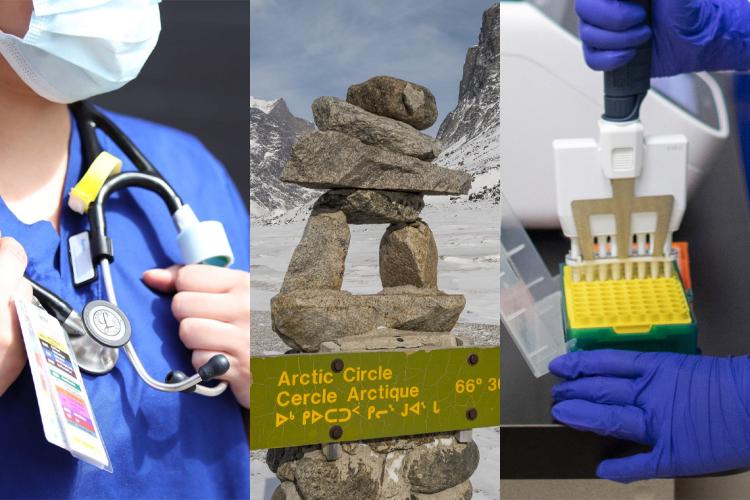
336	432
337	365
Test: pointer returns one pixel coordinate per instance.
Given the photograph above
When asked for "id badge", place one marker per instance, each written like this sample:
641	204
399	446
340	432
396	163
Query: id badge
64	406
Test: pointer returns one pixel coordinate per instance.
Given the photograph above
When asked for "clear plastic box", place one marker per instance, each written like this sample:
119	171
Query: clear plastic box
530	298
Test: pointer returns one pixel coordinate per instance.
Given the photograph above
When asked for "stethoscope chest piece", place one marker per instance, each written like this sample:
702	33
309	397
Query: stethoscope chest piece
106	323
92	357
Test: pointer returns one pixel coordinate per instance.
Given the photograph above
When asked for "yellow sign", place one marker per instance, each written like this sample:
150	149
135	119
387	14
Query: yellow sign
305	399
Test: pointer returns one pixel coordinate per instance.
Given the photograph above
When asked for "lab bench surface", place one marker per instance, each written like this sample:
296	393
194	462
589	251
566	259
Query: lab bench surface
717	228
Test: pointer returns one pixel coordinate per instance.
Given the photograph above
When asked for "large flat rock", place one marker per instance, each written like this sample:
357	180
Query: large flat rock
305	318
357	474
390	339
395	98
340	116
329	160
366	206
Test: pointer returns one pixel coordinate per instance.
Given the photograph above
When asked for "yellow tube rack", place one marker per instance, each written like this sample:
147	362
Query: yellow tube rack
627	306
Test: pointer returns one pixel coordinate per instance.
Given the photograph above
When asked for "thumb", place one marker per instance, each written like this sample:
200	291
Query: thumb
162	280
24	290
12	266
628	469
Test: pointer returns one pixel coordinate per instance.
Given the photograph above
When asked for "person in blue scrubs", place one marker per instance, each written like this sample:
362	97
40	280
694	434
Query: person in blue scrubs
692	412
161	445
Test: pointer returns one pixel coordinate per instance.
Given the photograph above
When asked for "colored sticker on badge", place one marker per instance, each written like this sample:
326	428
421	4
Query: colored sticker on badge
56	356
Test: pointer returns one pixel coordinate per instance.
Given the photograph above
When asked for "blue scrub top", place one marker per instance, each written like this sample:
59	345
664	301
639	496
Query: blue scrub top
162	445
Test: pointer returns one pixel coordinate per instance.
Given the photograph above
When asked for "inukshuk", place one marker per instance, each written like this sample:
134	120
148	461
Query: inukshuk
370	156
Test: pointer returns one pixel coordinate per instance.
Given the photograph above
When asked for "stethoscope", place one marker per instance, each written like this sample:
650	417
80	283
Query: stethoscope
102	328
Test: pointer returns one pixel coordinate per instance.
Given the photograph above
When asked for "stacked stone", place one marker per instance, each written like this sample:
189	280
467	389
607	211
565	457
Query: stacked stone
375	164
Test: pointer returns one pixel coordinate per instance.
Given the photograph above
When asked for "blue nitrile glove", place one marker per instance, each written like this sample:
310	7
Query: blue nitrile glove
688	35
692	410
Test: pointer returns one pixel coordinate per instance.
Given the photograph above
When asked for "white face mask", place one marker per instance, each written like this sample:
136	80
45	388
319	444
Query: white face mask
76	49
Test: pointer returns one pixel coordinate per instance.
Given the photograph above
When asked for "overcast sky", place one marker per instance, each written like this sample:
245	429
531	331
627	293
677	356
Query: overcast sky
301	49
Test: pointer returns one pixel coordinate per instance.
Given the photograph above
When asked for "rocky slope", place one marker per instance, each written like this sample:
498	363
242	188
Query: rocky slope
470	132
273	132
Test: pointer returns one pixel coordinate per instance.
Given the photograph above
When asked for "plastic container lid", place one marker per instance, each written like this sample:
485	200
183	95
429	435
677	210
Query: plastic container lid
530	298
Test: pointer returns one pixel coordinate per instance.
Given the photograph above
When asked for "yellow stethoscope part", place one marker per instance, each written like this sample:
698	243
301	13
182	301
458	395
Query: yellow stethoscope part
87	189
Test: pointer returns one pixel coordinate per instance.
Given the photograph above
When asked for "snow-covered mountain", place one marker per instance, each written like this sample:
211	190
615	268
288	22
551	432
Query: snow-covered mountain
470	133
273	132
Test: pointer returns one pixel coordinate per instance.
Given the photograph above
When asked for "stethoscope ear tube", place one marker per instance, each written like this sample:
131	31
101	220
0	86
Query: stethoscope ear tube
53	304
88	119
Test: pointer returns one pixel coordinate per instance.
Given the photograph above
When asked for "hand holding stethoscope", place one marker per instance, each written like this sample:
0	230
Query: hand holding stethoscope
213	308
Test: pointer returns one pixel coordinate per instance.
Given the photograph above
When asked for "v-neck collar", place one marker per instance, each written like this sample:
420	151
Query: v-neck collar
45	248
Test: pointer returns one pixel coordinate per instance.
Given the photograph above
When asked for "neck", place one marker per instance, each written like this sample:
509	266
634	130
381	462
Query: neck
34	135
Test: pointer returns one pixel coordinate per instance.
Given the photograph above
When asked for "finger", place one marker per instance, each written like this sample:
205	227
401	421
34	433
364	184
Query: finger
615	15
12	266
623	422
600	39
605	390
162	280
608	362
210	279
209	334
218	306
628	469
607	60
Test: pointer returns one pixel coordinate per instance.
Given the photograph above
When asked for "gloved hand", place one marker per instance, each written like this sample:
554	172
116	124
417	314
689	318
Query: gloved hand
694	411
687	35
